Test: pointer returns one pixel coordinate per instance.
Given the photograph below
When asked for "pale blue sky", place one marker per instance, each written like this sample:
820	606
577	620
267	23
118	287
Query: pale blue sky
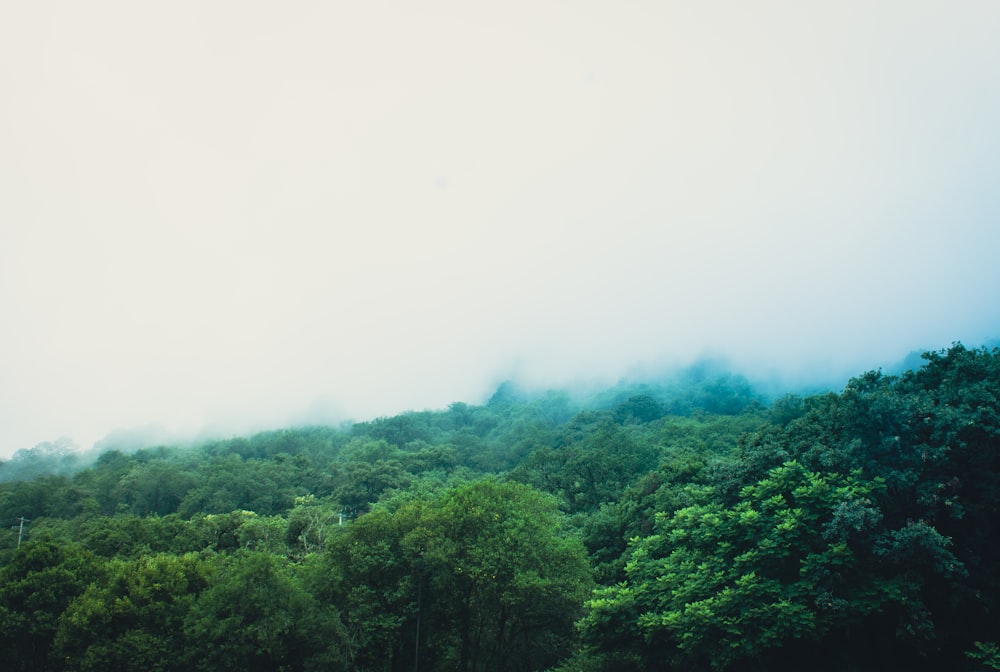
246	214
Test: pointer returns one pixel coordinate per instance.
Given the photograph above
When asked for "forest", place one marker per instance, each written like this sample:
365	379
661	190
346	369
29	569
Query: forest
686	524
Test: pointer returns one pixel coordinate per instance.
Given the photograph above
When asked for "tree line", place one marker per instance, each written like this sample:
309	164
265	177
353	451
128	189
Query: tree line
687	524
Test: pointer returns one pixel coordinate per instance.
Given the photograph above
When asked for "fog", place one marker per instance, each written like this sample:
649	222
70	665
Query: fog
223	216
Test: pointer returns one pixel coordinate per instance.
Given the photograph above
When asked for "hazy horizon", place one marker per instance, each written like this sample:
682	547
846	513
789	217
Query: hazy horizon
243	215
583	392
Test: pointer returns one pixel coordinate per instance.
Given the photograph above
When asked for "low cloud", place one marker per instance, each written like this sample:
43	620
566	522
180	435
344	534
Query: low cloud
333	212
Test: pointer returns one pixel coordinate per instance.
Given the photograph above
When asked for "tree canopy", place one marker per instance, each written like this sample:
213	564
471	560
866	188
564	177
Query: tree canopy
686	524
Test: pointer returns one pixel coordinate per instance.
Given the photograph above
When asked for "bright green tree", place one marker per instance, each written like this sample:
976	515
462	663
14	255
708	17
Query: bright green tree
716	586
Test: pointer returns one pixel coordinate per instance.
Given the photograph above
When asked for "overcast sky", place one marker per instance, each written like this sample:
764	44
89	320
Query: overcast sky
243	214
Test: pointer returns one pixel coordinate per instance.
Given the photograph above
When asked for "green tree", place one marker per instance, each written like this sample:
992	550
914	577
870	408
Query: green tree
255	615
156	487
931	436
36	587
597	461
310	522
639	408
717	586
133	618
479	577
363	483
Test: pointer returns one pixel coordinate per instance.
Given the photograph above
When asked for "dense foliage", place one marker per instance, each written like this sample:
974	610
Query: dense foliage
685	525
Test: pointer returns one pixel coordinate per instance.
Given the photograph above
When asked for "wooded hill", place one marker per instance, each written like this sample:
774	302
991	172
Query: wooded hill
686	525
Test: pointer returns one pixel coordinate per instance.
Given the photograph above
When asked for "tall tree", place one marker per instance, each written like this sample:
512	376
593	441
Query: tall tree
480	577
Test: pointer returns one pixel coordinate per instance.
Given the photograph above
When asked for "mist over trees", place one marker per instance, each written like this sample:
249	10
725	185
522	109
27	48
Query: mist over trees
689	524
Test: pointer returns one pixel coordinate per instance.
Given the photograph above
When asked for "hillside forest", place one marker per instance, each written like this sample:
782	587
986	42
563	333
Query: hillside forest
689	524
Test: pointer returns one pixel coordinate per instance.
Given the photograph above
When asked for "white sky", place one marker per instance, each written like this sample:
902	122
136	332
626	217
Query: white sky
240	214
